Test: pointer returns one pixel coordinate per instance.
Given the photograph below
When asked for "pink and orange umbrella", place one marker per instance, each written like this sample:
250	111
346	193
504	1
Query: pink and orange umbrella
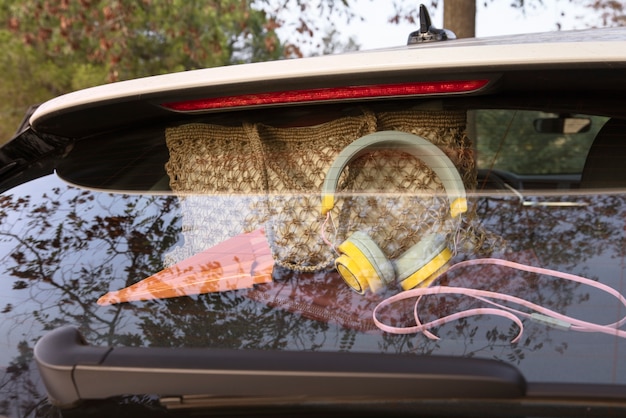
237	263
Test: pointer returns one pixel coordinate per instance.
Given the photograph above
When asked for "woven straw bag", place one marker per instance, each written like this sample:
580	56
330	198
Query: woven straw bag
237	179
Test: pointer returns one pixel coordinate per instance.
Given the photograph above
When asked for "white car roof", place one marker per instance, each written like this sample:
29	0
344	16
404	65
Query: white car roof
555	48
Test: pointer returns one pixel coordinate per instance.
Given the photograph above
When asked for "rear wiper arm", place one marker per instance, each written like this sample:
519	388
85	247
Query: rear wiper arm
73	371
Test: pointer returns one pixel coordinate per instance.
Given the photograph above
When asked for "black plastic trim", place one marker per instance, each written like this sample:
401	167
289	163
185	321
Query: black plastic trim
73	371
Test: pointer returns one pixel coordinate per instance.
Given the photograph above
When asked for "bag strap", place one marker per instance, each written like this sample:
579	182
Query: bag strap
256	147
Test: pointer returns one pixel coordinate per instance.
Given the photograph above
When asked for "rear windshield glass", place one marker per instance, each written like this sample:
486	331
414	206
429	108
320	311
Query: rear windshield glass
288	233
532	142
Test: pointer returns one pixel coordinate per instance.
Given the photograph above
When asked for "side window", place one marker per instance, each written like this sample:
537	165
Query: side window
533	143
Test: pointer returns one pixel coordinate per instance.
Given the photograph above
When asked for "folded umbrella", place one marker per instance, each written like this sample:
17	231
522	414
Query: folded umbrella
237	263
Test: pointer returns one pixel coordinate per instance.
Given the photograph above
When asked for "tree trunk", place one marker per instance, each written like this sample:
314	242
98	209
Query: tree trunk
459	16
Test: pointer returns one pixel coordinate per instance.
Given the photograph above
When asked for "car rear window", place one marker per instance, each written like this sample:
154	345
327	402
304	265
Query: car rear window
533	142
217	231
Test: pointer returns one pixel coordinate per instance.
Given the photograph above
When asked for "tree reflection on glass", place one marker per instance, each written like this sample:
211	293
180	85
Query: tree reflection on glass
64	250
69	247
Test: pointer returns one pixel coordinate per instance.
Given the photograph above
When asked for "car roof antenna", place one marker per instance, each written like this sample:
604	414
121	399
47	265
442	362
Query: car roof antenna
427	32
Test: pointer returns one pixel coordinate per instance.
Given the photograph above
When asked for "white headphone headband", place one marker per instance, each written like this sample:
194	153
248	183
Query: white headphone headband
415	145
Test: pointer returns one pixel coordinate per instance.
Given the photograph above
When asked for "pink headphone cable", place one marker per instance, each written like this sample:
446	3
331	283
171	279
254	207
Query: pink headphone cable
323	232
541	314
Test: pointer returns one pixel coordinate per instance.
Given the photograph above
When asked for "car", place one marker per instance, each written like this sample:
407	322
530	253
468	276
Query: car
434	229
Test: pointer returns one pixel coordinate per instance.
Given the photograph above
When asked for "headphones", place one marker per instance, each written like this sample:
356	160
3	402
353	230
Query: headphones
361	262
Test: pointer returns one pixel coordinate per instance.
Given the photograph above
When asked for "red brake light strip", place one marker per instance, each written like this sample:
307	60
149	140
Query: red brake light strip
330	93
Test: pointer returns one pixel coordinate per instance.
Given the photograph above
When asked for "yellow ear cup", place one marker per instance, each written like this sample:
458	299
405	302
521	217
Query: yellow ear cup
417	265
363	265
425	275
352	274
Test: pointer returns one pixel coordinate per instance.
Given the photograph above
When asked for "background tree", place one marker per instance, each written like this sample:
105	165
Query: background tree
459	16
53	47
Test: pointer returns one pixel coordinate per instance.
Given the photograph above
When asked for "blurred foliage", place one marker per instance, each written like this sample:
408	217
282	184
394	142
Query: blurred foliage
125	39
54	47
